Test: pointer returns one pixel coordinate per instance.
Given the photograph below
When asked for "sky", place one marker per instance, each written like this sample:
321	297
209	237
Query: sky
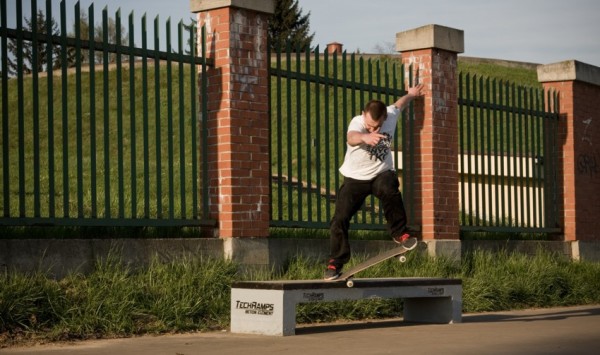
535	31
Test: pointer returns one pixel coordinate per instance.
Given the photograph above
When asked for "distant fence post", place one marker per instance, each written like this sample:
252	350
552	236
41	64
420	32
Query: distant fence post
578	87
432	51
238	114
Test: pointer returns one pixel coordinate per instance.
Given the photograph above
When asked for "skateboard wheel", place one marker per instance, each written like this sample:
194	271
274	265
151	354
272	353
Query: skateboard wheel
402	258
349	283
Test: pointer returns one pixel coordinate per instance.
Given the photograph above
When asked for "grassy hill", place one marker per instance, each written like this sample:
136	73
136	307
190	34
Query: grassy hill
524	74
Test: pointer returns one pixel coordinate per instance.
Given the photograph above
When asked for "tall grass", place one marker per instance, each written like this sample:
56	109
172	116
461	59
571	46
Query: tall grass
512	281
116	300
193	294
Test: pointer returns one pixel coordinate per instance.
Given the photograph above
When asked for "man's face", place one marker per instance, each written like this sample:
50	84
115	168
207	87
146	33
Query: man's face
371	124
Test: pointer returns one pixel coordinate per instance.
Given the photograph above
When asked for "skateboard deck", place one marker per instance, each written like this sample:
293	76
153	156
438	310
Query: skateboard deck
347	275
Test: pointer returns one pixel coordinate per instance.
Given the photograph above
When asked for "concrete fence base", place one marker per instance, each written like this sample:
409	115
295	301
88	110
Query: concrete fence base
59	257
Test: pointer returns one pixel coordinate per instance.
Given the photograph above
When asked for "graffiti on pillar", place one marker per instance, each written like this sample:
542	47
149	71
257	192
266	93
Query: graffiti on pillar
588	161
588	164
587	137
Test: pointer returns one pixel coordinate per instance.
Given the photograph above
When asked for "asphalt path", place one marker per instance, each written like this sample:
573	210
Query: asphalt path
569	330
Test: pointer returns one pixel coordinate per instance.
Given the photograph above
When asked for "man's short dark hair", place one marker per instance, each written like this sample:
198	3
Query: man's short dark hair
376	109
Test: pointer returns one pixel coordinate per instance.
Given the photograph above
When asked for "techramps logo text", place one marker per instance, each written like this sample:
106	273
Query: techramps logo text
265	309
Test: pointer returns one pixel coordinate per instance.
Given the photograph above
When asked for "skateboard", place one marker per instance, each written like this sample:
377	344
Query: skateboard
398	252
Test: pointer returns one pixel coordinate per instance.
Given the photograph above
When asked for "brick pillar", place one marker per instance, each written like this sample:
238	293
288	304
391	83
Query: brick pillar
432	50
578	87
238	114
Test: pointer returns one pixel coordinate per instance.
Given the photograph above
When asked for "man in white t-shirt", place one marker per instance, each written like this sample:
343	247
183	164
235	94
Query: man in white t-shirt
368	168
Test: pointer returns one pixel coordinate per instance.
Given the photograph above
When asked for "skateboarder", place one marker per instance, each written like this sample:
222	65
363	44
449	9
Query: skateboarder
368	168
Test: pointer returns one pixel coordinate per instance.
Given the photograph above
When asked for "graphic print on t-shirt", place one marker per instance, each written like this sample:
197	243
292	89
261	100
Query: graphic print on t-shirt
381	149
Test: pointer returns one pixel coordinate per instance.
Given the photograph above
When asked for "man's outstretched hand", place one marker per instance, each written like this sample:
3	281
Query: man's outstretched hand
416	90
411	94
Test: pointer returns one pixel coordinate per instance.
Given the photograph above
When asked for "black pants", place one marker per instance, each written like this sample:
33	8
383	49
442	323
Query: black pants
351	196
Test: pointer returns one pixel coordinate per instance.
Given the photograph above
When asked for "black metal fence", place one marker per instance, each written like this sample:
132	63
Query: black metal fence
108	132
313	97
508	155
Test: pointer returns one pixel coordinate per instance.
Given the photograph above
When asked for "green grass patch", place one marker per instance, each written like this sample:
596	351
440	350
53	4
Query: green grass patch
193	294
521	76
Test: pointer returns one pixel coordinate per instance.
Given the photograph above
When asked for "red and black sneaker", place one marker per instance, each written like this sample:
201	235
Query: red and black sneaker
332	272
405	240
401	238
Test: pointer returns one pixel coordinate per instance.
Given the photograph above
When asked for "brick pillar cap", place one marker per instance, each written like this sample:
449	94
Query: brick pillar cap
266	6
569	70
431	36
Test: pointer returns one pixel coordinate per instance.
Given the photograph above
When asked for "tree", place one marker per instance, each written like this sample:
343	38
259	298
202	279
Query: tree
26	52
113	36
192	25
84	34
288	24
385	48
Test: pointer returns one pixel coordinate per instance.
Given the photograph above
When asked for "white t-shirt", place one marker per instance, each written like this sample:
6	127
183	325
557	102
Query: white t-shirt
365	162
